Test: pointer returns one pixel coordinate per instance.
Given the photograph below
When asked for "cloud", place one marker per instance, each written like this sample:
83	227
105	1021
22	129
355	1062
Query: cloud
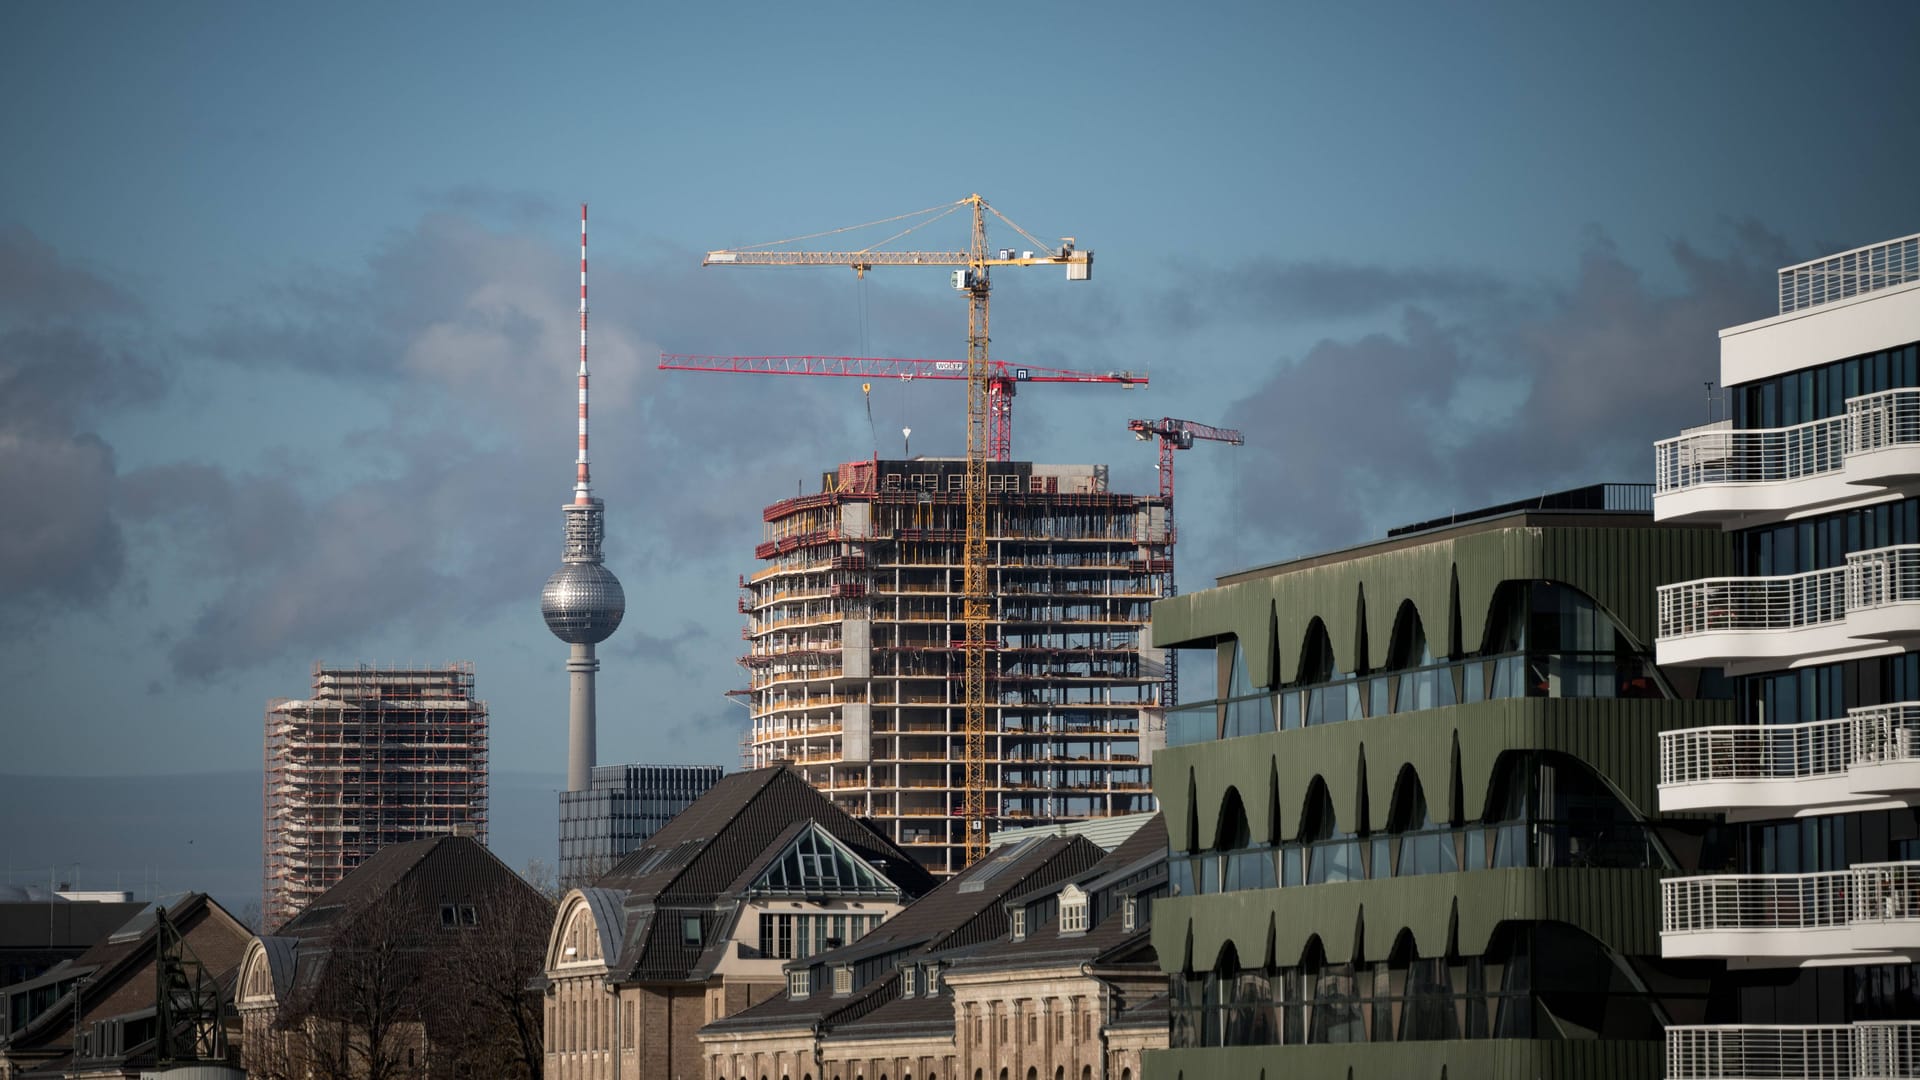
59	541
1473	403
1266	289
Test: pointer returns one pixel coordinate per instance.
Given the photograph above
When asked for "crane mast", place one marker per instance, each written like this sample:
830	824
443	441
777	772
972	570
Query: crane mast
973	280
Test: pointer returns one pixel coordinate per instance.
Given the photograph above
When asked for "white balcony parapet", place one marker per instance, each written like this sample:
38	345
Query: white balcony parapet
1721	454
1850	273
1867	756
1719	605
1870	1050
1869	912
1715	470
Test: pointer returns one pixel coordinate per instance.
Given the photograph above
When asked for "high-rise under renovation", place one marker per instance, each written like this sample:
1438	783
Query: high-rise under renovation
375	756
856	630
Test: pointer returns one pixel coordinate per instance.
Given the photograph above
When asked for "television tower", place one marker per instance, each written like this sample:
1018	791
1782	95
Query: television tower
582	602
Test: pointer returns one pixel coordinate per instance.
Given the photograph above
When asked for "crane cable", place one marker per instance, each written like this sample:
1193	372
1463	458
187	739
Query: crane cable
866	391
850	228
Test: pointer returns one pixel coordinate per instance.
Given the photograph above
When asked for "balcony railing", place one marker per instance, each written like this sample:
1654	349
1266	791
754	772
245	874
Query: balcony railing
1883	576
1850	273
1719	605
1756	752
1749	456
1720	902
1719	454
1876	906
1874	1050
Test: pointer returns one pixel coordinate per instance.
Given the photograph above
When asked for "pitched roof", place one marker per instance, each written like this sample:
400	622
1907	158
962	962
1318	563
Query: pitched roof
424	874
1142	858
965	912
716	848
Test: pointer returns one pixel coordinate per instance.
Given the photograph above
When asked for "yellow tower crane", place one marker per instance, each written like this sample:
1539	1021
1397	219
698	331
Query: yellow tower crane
972	279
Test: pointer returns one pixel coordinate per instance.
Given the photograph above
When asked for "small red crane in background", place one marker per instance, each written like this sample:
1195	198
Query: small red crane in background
1003	380
1176	435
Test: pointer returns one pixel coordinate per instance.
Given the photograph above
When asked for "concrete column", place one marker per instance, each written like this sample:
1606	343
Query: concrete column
581	721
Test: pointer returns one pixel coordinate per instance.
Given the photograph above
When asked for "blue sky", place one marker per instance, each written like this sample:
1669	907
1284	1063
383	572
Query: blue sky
286	302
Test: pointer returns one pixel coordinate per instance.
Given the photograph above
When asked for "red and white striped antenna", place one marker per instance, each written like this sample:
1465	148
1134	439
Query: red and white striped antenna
582	487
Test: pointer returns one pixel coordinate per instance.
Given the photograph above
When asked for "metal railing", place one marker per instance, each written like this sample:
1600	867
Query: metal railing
1749	455
1861	895
1756	751
1882	576
1760	1052
1888	418
1886	1050
1850	273
1714	605
1870	735
1718	902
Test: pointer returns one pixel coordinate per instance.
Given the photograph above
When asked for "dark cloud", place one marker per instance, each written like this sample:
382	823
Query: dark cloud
1477	403
58	538
1267	289
633	641
37	285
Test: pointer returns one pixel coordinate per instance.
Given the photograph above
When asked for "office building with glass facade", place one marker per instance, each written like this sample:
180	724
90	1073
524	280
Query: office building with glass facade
1414	834
625	805
1815	478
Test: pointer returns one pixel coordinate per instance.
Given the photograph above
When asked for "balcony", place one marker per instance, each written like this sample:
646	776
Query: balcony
1873	1050
1869	913
1873	600
1756	771
1715	472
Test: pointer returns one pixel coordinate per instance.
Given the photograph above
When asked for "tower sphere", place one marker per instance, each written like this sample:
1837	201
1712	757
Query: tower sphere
583	603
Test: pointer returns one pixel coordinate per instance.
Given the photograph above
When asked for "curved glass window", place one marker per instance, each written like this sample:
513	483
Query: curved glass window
1327	852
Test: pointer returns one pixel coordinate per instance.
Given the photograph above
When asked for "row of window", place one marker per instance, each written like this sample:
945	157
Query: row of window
797	936
1818	392
1823	542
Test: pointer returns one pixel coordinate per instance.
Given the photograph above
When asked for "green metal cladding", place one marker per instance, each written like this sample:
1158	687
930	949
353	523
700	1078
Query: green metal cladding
1450	578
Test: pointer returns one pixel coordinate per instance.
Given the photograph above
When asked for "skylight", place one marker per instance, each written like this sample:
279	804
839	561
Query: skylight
816	864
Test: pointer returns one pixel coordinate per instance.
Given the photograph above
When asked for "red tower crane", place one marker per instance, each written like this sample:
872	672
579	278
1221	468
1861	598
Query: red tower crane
1003	379
1176	435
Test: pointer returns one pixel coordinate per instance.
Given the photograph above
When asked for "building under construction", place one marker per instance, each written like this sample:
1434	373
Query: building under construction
376	756
855	623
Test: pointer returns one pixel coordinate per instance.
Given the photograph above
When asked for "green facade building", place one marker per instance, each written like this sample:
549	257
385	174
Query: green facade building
1416	832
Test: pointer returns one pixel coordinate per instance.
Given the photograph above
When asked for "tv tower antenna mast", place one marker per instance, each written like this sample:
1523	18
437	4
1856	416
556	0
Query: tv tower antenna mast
582	602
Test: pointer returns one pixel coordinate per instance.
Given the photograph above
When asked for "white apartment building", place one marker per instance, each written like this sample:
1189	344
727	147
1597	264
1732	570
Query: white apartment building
1815	477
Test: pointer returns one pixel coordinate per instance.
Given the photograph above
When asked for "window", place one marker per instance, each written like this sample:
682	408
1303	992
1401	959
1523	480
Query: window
1127	909
798	985
1019	924
448	915
1073	910
843	979
468	916
690	934
932	978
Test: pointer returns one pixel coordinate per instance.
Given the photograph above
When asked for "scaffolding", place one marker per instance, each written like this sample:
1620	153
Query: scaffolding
375	756
856	628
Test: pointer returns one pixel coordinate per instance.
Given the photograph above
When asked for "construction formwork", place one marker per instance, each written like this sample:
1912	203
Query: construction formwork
375	756
856	675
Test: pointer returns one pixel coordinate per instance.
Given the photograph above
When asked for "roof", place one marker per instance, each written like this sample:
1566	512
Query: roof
59	923
965	912
435	871
712	851
1142	856
1151	1013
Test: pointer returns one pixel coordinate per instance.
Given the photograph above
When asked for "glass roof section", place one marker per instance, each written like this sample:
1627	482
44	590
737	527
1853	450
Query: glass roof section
816	864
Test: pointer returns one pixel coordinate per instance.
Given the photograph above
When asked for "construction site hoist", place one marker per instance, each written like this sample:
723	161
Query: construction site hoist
972	278
1003	379
1176	435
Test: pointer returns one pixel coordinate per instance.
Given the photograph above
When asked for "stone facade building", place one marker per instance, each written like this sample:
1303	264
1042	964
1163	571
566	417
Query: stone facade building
697	923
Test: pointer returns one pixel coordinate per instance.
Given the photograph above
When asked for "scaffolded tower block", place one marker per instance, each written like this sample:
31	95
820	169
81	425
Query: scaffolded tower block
855	668
376	756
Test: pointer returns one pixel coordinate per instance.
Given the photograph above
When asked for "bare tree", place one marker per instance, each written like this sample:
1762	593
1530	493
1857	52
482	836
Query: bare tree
489	1021
357	1010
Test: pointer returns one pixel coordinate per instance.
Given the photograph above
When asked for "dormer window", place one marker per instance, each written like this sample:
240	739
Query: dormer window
1127	909
843	979
908	976
932	974
1073	910
1019	924
798	985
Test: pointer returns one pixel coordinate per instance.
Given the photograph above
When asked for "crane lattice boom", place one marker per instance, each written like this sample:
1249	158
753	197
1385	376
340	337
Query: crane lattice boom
1176	435
973	279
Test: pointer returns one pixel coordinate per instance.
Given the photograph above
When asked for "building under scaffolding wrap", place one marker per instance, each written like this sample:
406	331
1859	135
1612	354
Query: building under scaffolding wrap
376	756
855	671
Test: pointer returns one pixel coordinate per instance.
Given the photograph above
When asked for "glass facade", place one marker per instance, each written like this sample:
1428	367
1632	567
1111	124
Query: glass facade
626	805
1543	639
1816	393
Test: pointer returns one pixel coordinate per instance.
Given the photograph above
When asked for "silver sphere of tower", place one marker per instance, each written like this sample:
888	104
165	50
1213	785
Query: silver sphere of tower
583	603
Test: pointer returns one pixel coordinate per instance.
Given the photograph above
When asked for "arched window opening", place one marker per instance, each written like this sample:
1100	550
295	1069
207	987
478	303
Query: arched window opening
1423	682
1249	710
1328	852
1550	810
1241	864
1415	843
1328	695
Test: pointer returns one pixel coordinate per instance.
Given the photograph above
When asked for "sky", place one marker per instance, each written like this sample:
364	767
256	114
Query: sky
288	332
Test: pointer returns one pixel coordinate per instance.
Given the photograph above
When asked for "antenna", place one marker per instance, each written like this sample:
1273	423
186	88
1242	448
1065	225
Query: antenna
582	484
